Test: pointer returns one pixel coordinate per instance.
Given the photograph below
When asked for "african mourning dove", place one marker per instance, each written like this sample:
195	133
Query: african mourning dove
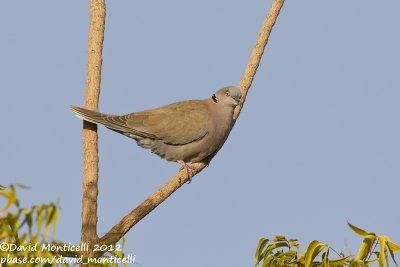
185	132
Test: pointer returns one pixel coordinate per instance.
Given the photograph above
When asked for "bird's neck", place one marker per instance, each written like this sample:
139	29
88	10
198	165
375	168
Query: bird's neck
223	114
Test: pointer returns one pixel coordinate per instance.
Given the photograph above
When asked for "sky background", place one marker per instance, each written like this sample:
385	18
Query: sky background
316	144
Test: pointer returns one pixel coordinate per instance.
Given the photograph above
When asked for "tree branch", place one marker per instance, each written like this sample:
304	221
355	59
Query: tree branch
258	51
161	194
90	146
155	199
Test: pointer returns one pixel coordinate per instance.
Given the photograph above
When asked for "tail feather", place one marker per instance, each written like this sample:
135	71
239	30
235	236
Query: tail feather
98	118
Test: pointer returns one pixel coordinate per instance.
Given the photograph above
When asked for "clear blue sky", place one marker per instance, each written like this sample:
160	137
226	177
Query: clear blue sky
316	144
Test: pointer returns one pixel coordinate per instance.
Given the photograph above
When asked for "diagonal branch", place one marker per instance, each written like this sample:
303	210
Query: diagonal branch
161	194
90	145
155	199
258	51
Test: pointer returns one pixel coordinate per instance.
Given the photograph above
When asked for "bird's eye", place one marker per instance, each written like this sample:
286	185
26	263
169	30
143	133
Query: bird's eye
227	93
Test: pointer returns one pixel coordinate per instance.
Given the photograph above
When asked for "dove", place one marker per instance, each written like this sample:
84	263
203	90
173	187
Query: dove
185	132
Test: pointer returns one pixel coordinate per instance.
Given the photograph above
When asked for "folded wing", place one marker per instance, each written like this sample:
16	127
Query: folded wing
175	124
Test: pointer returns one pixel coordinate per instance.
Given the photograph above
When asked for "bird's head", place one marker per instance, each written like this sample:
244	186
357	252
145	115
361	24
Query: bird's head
228	96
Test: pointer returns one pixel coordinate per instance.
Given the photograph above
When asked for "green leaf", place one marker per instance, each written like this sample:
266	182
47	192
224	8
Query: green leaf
325	258
28	212
294	243
278	238
365	247
39	219
383	255
393	257
51	211
52	218
339	262
393	246
11	196
357	263
382	252
13	223
268	262
56	217
275	245
358	230
313	250
260	247
291	254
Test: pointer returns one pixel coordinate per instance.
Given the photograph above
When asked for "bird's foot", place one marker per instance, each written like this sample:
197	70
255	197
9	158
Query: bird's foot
190	171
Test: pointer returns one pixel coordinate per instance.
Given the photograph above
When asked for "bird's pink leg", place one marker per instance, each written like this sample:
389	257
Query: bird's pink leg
189	169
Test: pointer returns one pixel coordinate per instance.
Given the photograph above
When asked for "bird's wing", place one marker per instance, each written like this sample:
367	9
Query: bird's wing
176	124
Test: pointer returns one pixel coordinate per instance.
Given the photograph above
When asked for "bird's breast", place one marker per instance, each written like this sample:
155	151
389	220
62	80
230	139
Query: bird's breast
220	122
219	129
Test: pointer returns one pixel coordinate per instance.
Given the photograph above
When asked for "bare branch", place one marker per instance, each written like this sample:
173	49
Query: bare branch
90	146
155	199
258	51
161	194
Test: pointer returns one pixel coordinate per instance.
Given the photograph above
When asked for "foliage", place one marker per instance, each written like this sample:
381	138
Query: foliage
21	226
281	251
29	228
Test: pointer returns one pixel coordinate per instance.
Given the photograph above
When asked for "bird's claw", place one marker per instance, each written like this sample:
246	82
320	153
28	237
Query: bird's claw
190	170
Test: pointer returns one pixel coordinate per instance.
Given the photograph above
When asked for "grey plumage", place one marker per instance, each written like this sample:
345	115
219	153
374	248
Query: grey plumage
187	131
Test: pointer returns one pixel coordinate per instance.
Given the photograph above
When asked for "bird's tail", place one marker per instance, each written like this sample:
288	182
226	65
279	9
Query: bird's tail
110	121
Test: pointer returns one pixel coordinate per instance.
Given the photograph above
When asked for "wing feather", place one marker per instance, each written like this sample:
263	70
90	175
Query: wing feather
175	124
